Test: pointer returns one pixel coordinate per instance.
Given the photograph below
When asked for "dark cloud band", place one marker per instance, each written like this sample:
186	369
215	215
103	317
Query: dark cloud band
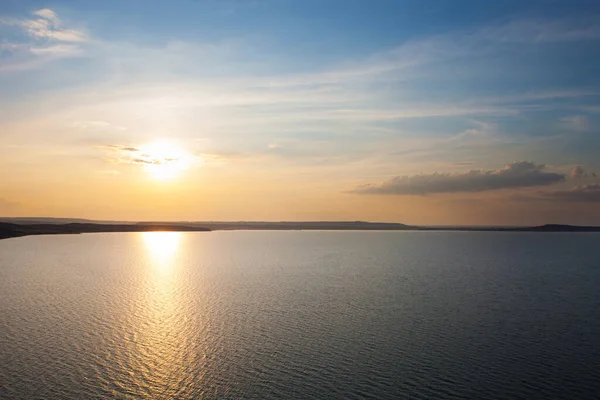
583	193
514	175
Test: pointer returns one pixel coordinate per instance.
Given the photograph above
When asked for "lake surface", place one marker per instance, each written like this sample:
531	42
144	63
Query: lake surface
300	315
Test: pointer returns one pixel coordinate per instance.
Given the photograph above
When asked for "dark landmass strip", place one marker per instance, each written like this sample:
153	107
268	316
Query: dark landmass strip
541	228
32	226
294	225
375	226
9	230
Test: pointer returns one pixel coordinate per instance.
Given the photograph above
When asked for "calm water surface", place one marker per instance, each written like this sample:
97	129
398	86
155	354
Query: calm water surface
304	315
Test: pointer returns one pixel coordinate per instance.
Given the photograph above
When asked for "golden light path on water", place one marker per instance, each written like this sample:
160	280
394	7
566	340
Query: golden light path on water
158	356
162	248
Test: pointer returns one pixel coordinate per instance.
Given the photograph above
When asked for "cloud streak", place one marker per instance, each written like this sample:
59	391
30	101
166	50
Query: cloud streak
121	154
515	175
132	155
581	193
577	123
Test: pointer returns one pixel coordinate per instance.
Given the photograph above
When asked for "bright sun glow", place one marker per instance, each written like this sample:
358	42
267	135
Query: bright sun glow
165	160
162	248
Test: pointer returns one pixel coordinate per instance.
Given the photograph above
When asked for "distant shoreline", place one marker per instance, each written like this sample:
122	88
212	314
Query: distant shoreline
11	230
31	227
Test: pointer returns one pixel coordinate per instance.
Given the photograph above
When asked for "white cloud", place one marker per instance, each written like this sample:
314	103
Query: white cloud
49	26
50	40
46	13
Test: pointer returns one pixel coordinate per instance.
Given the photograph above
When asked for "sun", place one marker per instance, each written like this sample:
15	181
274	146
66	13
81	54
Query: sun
164	159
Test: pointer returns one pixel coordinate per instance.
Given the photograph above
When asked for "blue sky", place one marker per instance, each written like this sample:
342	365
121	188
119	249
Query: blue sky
307	103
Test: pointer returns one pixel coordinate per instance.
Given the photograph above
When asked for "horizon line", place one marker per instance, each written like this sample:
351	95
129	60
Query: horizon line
3	219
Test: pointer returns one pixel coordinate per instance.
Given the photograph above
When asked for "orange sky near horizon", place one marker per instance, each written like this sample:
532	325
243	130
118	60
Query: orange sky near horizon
431	125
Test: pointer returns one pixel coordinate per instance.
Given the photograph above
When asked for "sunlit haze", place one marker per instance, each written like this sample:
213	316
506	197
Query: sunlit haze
432	113
163	159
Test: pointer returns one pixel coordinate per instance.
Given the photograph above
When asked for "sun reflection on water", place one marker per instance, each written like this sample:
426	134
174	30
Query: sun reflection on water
158	355
162	248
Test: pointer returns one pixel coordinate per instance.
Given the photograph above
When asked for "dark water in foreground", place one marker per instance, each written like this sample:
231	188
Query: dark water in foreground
305	315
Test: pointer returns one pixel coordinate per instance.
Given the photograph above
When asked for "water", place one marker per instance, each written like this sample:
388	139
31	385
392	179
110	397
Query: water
305	315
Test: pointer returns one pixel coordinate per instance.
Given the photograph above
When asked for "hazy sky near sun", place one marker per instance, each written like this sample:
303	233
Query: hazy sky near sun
424	112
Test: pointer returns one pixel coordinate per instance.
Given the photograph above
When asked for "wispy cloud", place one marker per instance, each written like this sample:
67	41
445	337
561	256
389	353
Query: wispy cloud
355	100
122	154
47	25
581	193
154	154
57	50
49	39
579	123
515	175
416	53
577	194
98	125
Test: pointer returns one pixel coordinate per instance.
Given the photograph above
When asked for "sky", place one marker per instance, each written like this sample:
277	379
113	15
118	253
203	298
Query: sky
422	112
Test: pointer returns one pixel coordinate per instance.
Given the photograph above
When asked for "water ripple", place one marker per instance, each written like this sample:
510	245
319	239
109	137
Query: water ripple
306	315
